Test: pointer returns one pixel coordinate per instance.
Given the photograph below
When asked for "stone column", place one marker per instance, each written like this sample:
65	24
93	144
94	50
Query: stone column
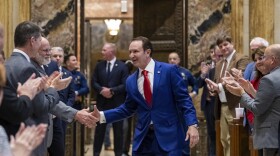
261	16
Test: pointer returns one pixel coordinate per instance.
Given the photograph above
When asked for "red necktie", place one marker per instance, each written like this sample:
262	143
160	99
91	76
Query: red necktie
147	88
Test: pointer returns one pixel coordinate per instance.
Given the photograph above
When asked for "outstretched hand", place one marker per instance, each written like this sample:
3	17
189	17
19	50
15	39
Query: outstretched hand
87	118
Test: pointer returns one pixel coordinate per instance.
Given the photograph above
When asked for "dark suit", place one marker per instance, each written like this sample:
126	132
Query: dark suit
207	106
18	69
116	82
169	96
67	96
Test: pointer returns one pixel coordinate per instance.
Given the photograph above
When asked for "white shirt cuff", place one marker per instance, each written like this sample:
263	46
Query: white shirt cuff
222	94
102	117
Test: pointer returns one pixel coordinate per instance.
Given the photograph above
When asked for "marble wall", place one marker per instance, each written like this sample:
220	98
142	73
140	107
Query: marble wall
57	19
207	20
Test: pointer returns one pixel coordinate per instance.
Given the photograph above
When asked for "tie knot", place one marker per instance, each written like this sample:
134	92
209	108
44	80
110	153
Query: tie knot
145	72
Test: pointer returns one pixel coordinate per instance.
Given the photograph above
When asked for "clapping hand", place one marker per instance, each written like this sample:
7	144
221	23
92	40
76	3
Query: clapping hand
56	82
236	73
27	139
31	87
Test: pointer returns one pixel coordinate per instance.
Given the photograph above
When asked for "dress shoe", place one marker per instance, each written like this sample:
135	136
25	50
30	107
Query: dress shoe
109	148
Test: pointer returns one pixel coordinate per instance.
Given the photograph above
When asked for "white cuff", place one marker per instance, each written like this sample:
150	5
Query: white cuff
102	117
222	94
76	93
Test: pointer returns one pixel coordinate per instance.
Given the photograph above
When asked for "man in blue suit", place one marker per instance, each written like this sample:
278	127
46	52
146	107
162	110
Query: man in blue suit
157	96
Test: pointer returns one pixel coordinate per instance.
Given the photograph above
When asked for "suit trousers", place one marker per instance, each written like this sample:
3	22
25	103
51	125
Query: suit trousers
226	118
210	123
151	147
100	134
57	147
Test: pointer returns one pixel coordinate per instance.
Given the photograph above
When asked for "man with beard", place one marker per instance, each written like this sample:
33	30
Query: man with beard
61	110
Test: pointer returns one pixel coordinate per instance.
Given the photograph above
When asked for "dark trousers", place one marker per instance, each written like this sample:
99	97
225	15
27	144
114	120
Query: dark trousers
77	105
127	125
270	152
57	147
99	138
151	147
210	123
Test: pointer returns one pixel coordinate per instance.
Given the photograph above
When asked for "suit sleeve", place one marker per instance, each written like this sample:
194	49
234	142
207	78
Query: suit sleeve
120	89
183	100
71	94
96	86
15	109
64	112
263	100
84	90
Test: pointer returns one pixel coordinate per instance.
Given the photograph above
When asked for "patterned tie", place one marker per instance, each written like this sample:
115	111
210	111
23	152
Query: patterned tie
147	88
224	68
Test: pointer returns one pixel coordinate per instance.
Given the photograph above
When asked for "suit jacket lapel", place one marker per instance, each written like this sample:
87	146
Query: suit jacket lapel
157	76
135	88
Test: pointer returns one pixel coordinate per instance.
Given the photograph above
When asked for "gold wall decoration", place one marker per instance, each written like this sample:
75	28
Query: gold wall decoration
12	12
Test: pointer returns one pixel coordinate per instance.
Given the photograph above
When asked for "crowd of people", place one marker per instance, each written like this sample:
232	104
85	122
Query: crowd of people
41	91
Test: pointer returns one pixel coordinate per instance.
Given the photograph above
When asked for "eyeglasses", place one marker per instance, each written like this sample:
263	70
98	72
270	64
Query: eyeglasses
46	50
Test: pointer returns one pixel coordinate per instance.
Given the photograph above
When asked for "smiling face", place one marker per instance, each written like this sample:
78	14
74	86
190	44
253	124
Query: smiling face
138	56
226	48
43	57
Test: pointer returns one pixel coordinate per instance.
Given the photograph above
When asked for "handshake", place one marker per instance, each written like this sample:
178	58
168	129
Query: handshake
89	119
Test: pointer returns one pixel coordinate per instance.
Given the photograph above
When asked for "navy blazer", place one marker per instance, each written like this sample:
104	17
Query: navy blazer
169	96
205	92
116	82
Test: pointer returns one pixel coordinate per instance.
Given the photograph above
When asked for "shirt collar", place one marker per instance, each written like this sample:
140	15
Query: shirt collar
230	56
23	53
150	67
113	60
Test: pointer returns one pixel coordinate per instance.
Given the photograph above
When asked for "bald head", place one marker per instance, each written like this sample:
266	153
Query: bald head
174	58
274	50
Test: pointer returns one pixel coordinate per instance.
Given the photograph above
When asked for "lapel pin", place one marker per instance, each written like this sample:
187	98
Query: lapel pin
158	72
116	65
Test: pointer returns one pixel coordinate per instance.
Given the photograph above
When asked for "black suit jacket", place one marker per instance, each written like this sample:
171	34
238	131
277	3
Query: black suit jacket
116	82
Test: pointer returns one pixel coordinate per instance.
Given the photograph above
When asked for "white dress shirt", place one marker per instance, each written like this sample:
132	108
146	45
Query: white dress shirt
222	94
150	68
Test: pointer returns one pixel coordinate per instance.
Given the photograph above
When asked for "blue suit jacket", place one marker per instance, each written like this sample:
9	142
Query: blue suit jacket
169	96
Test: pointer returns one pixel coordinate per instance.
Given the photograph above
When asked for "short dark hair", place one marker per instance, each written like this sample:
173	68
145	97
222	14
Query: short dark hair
223	38
67	57
25	31
212	46
146	43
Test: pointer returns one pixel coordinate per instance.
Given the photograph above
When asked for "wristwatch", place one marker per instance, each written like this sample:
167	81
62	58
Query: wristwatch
112	92
195	126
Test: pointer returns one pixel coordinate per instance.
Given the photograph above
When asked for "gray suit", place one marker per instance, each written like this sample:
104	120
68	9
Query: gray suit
60	110
13	111
266	108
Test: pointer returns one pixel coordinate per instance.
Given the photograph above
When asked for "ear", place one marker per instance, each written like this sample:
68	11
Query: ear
148	51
